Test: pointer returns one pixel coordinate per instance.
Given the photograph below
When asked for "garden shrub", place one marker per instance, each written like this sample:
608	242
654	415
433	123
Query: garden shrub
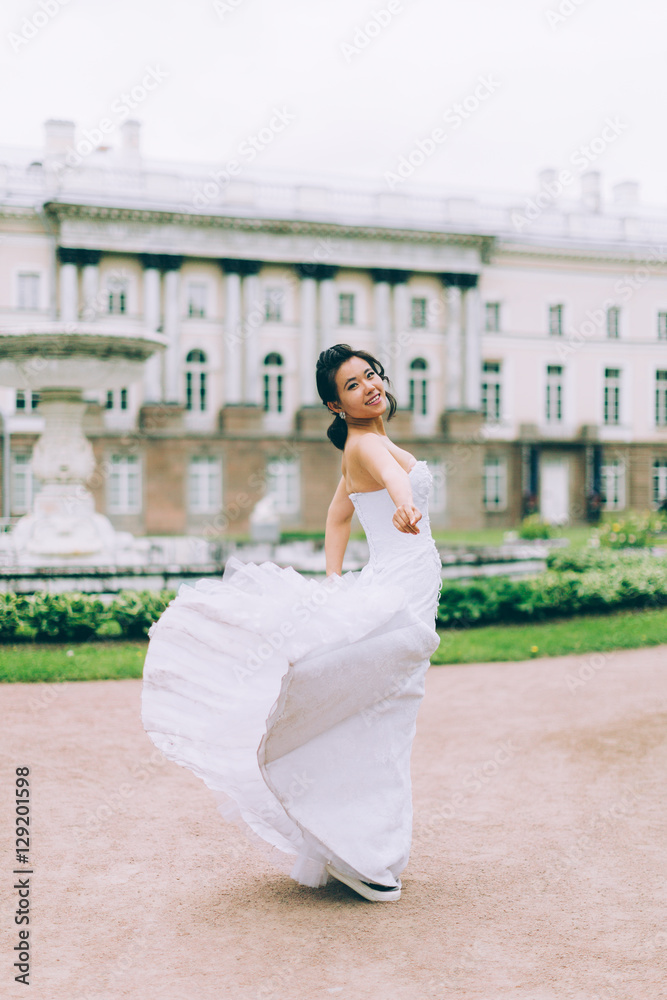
563	592
532	526
73	616
631	529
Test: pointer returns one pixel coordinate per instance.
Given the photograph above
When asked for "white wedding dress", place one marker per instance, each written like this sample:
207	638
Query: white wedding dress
296	699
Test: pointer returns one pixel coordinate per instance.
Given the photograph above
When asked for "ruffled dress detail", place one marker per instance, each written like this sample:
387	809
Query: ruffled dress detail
295	700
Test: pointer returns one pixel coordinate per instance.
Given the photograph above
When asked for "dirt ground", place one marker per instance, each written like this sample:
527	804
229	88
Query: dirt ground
537	870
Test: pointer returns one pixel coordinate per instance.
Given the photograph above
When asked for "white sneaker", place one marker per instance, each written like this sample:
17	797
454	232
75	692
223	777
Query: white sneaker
369	890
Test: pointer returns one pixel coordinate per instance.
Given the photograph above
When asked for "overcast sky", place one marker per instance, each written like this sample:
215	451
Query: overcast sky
358	84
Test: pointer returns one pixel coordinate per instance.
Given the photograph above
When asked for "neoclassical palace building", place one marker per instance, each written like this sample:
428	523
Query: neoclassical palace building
525	339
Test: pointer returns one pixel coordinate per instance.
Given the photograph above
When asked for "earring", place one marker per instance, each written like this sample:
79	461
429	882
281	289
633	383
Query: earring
341	415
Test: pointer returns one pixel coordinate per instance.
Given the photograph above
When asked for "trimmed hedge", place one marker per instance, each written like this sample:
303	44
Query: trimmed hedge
579	560
627	583
73	616
584	581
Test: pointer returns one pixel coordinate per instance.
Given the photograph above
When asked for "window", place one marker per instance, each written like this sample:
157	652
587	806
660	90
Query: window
555	321
554	394
659	481
117	297
26	400
661	398
273	383
204	484
197	299
116	399
195	381
613	484
282	484
491	400
28	291
273	305
613	322
492	317
662	326
495	483
612	396
418	387
23	486
124	496
418	313
346	309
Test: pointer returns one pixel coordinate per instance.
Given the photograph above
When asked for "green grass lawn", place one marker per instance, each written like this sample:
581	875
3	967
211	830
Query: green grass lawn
74	661
48	663
558	637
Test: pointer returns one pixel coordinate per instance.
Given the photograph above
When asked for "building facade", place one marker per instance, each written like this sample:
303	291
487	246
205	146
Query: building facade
526	342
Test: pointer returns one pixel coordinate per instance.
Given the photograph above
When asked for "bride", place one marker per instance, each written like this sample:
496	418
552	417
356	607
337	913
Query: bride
295	699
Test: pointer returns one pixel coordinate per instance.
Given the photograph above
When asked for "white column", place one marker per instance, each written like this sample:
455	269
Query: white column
473	349
91	286
382	320
402	342
69	293
253	316
153	371
174	388
327	290
454	353
233	339
308	341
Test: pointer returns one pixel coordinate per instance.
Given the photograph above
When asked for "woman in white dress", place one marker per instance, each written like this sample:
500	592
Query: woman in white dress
296	699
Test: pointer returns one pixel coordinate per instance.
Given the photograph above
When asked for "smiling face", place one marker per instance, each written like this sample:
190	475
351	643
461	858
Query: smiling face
360	390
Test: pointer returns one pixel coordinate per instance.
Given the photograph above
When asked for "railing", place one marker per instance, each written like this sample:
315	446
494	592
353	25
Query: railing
198	191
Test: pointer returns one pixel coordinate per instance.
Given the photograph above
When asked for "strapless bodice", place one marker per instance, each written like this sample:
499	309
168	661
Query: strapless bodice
410	560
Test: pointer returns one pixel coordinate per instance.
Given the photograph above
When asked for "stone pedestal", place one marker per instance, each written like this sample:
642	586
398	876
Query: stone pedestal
63	522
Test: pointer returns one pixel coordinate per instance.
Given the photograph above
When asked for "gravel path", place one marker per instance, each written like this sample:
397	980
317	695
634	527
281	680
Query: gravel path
537	872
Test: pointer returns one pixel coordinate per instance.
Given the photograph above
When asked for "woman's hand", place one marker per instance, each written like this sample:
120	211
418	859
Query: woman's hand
405	518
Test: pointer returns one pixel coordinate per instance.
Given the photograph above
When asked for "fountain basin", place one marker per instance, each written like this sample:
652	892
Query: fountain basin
61	361
75	355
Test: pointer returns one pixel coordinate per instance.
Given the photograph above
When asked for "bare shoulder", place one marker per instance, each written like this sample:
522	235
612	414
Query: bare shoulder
366	445
374	448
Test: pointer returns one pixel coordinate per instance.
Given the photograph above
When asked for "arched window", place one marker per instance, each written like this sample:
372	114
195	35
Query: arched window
418	387
195	381
273	383
116	294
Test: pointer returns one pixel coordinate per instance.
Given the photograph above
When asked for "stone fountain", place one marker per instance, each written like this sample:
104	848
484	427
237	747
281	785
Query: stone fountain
60	361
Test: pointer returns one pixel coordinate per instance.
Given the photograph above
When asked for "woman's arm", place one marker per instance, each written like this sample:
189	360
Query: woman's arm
337	531
383	466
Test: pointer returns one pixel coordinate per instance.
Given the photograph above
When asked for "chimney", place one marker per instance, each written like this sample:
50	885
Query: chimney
626	194
130	134
58	137
590	191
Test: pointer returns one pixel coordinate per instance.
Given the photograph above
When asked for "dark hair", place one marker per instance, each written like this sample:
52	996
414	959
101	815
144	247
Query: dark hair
328	364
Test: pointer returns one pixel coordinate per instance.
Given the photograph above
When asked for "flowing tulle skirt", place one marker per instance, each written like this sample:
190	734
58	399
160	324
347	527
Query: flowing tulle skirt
295	701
